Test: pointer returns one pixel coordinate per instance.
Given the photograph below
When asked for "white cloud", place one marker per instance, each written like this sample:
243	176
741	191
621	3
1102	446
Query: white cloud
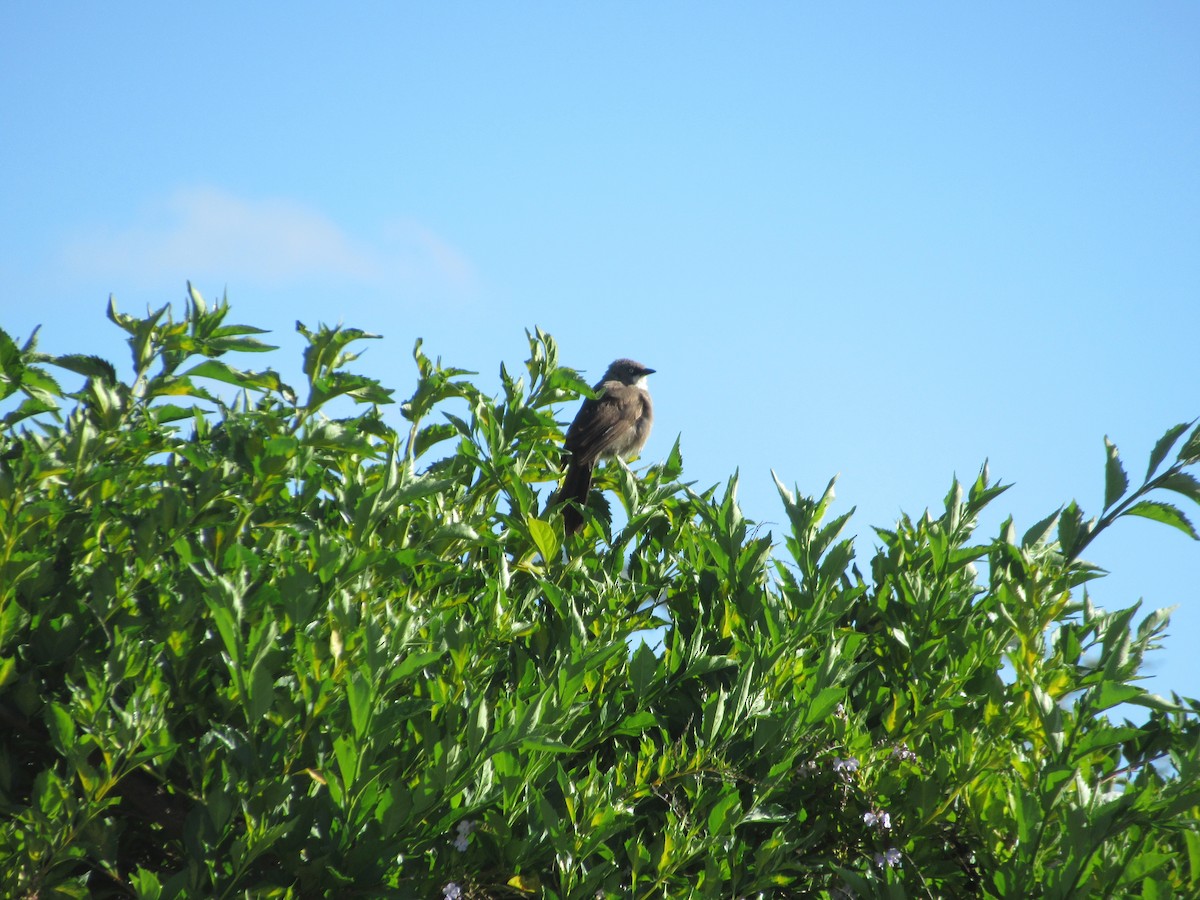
203	233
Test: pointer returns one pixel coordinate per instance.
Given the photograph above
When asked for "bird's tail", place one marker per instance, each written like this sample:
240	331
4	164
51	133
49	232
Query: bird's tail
574	487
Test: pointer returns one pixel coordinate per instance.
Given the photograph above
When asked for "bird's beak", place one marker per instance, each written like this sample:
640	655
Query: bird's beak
649	371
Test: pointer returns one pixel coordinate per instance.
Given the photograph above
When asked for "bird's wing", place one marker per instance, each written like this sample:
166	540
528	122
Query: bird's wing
603	423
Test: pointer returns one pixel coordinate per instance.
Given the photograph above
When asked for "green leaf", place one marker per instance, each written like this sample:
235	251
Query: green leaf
823	704
1163	447
219	371
227	627
642	669
1116	482
1145	863
1112	694
88	366
169	412
1190	452
636	723
544	744
706	664
28	408
1073	532
720	819
430	435
413	662
240	345
1182	483
544	538
360	695
346	751
12	620
1165	513
11	365
1041	530
146	885
8	671
62	728
197	300
1192	840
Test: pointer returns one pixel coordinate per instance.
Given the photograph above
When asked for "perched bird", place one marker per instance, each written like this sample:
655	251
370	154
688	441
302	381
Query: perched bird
615	423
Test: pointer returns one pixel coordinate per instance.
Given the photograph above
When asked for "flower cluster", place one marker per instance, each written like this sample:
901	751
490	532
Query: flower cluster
887	859
845	767
878	819
452	891
465	827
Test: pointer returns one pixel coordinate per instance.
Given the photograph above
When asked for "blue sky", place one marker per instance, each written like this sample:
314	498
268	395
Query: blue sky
882	240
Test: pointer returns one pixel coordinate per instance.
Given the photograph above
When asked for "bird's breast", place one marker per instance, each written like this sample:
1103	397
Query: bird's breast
635	437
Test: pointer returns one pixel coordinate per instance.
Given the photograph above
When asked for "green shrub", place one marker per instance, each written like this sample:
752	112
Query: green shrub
249	648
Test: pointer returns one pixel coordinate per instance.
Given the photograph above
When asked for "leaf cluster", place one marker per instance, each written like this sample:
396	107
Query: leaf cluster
251	648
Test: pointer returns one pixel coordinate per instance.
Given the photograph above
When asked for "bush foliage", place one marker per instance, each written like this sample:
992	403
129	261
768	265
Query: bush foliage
252	648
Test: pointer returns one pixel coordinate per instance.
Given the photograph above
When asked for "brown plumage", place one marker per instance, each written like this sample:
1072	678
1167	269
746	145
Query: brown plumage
615	423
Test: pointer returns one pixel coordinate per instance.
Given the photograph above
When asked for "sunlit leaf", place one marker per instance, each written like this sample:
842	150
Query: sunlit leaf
1116	482
1165	513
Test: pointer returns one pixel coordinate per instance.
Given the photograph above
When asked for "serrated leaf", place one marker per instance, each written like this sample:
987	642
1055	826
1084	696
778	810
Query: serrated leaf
230	330
1163	447
1165	513
1070	528
1116	482
1154	701
430	435
219	371
1041	530
169	412
241	345
1182	483
1191	450
87	366
11	365
120	319
29	407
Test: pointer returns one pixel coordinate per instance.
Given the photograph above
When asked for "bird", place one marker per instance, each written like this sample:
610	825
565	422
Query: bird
616	422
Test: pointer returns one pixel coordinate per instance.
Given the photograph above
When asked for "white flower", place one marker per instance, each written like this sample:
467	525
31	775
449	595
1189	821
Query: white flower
845	765
465	827
882	819
452	891
890	857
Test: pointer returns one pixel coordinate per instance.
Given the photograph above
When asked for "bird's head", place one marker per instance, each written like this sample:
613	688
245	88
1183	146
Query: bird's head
627	371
